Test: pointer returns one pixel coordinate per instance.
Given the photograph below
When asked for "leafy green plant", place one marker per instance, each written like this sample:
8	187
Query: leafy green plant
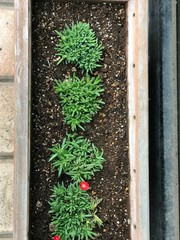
77	157
79	45
80	99
73	213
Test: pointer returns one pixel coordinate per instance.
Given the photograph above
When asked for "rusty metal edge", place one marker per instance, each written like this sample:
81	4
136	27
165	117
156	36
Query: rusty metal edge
22	117
138	118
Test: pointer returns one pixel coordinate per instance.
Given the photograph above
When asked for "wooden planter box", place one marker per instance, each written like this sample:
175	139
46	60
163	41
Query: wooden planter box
137	72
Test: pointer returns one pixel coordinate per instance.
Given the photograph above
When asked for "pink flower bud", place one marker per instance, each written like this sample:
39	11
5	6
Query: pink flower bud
56	238
84	186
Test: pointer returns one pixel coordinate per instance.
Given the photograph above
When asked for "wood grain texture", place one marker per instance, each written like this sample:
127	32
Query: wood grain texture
138	118
22	117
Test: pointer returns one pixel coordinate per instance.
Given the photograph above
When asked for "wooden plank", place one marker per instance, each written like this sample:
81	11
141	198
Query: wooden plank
138	117
22	117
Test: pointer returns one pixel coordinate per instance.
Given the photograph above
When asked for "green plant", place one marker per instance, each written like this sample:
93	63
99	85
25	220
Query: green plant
73	213
77	157
80	99
79	45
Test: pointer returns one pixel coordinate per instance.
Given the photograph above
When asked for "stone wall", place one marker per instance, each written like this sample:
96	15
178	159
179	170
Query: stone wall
6	118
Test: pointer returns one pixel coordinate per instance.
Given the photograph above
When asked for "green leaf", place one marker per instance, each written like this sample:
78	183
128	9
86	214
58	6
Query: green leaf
77	157
80	99
78	44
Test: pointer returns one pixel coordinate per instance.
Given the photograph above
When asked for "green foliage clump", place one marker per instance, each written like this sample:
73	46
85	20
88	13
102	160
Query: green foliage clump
79	45
80	99
77	157
73	213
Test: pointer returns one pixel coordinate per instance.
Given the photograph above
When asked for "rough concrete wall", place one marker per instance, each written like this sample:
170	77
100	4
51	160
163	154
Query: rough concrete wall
6	118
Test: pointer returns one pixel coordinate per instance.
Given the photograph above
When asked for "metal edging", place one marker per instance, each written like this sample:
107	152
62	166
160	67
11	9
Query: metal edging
164	186
178	81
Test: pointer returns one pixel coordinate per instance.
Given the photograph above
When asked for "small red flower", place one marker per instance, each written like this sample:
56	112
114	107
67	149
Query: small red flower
56	238
84	186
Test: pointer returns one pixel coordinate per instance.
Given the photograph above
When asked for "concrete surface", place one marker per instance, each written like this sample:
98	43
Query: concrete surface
6	118
6	195
6	41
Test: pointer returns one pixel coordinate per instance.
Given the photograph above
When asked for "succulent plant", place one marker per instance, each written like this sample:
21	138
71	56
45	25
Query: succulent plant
77	157
80	99
73	213
79	45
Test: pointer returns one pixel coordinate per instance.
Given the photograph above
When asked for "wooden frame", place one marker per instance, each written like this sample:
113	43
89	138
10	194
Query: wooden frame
22	117
138	117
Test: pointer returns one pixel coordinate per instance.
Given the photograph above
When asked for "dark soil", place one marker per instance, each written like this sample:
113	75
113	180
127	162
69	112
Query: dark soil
109	128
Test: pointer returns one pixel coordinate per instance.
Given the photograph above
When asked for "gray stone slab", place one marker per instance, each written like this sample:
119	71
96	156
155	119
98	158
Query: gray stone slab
6	78
6	118
6	235
6	41
6	196
2	238
6	1
6	238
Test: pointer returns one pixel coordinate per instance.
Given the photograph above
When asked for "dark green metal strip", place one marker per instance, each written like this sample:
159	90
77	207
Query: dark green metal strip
178	76
164	196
